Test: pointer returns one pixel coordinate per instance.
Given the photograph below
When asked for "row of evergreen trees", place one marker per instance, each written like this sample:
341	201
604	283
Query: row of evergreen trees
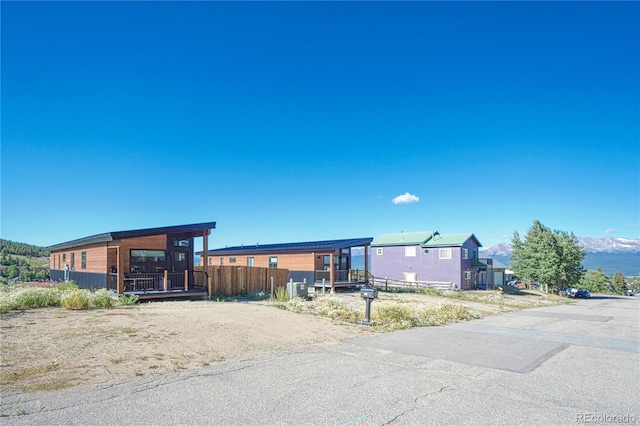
13	262
11	247
554	260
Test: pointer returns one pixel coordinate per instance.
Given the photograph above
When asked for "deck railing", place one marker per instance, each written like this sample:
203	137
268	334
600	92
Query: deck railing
157	281
347	275
143	282
410	284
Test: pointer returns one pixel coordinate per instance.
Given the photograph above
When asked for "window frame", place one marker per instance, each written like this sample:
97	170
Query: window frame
444	254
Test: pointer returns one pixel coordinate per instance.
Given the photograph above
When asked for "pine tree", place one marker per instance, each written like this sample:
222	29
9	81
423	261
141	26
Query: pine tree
553	259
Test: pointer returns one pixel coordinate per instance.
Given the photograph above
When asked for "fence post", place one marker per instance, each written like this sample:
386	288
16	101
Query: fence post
186	280
165	280
272	287
386	283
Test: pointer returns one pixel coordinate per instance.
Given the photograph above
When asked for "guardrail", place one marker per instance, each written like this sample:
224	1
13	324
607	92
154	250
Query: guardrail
417	285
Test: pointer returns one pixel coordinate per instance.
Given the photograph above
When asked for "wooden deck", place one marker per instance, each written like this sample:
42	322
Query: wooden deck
194	293
338	284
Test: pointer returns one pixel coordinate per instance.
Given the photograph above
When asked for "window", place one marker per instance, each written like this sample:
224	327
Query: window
467	275
410	251
378	251
210	259
147	261
465	253
273	261
64	257
232	260
222	260
445	253
83	260
251	261
181	243
73	261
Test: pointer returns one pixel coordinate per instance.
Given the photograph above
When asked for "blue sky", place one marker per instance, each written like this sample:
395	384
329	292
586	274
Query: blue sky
299	121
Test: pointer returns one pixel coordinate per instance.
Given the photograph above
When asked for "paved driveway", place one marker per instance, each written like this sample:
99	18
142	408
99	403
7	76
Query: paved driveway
568	364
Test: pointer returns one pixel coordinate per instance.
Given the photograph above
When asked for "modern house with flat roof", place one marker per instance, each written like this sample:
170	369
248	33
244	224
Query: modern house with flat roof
313	261
153	262
427	256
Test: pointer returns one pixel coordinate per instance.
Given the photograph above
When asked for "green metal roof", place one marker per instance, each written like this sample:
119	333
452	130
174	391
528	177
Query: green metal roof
403	238
450	240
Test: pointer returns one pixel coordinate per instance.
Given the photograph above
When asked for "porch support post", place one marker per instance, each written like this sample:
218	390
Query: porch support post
366	262
165	280
205	249
186	280
120	276
332	277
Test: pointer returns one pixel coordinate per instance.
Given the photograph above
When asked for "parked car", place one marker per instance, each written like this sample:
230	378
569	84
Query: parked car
581	292
570	292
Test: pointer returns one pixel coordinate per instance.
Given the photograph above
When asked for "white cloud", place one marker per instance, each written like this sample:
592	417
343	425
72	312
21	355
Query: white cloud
405	198
609	231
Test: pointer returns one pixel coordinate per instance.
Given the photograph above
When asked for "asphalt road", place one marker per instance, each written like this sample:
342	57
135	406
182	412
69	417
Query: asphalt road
563	365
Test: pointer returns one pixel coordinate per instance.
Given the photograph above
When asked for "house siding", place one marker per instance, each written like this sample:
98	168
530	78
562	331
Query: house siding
427	266
393	264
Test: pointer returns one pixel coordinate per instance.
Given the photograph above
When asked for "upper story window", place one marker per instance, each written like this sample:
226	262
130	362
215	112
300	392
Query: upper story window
410	251
465	253
232	260
445	253
83	260
251	261
73	261
181	242
273	261
379	251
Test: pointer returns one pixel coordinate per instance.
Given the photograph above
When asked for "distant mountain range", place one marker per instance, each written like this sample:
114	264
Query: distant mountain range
611	254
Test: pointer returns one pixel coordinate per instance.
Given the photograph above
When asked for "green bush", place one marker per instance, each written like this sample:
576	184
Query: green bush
124	300
281	294
102	299
76	299
257	295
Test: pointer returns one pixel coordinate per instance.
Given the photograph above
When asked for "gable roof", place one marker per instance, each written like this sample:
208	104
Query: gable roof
309	246
191	230
404	238
450	240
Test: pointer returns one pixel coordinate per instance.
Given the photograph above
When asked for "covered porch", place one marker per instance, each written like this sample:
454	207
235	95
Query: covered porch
158	264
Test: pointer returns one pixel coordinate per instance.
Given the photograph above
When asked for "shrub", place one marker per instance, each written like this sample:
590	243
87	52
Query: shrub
281	294
76	299
102	299
124	300
257	295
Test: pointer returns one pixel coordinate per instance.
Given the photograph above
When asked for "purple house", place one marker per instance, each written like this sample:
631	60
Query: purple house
420	257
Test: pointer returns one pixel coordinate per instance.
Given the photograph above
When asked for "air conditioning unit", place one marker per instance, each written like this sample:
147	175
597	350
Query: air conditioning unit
297	289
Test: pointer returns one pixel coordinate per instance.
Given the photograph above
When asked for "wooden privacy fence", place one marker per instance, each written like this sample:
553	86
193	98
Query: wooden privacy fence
239	280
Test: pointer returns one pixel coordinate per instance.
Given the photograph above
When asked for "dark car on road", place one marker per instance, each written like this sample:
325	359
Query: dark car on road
582	293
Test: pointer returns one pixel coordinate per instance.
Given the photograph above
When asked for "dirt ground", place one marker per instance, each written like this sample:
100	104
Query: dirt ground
55	348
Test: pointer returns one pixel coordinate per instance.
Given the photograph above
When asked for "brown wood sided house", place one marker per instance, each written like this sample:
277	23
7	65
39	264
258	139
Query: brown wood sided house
312	261
152	263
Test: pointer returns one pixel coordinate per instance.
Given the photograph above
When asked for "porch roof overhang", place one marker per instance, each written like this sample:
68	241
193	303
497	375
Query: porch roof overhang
191	230
308	247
